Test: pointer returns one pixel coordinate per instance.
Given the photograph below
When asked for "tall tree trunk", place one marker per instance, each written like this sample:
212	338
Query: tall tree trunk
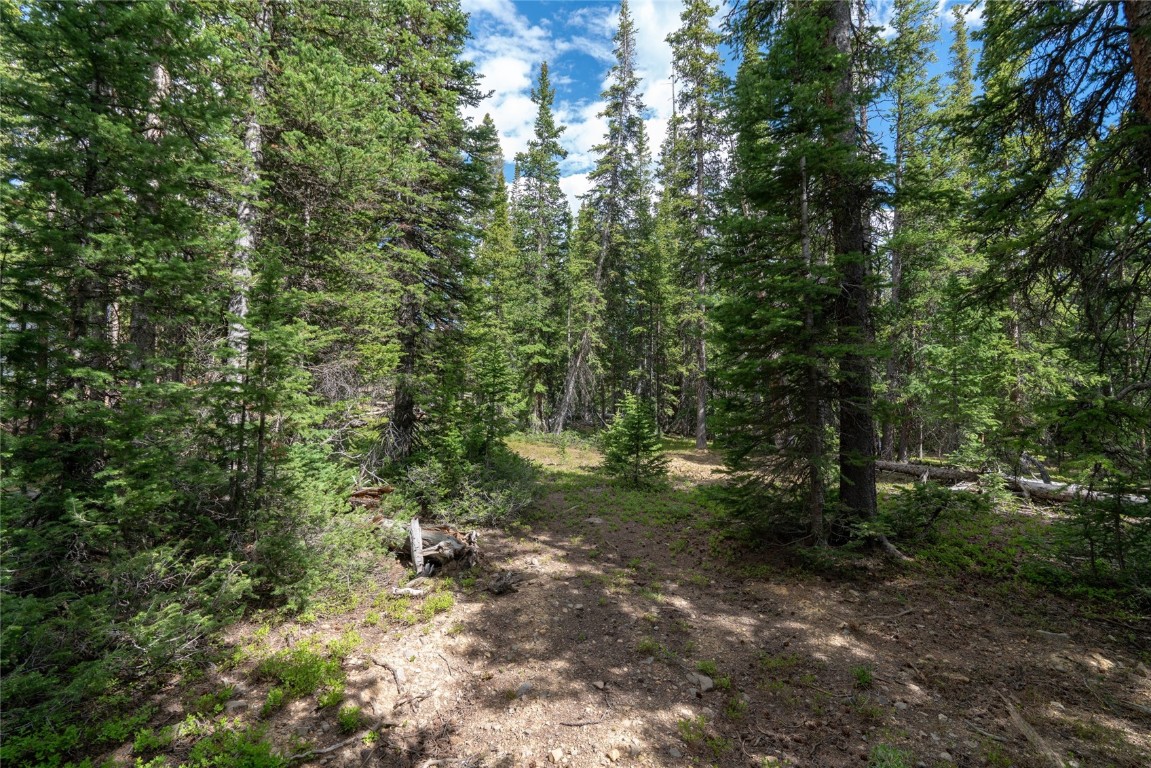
247	216
812	407
856	427
701	289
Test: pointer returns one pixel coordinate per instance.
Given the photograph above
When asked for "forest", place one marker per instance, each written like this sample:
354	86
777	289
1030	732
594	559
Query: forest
256	257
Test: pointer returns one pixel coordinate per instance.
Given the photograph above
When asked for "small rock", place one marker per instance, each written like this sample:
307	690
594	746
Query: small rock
945	757
579	606
704	682
648	660
594	520
238	705
556	755
524	689
613	755
675	753
599	684
901	705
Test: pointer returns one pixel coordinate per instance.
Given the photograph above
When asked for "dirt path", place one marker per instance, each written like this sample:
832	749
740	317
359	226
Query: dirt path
596	659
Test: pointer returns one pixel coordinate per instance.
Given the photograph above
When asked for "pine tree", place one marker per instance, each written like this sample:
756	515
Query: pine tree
911	244
794	327
542	221
632	448
692	175
1060	136
618	207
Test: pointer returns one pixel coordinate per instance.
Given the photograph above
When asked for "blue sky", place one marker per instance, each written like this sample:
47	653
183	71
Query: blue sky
510	38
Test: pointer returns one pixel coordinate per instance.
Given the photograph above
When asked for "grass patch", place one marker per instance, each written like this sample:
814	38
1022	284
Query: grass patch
440	602
864	678
887	756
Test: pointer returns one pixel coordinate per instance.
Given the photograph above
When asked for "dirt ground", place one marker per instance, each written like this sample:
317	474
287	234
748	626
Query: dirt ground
596	659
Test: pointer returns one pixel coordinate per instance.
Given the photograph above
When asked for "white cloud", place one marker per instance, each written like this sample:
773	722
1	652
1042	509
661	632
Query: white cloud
507	47
575	186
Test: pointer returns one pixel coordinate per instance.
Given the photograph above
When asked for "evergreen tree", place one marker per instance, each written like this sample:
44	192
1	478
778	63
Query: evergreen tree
794	326
911	245
692	173
1061	136
618	207
116	144
632	448
542	220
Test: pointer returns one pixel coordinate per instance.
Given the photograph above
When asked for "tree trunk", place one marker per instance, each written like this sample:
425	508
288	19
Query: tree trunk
1138	14
856	428
812	407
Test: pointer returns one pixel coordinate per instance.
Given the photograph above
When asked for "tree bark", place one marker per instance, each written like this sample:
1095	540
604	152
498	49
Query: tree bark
1138	14
856	427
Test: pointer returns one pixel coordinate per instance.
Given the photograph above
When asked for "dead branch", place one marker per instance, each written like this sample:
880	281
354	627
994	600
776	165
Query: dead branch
890	616
1032	736
582	723
982	732
397	673
312	753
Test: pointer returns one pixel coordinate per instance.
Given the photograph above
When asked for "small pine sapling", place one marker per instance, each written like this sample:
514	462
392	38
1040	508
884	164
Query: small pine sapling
632	449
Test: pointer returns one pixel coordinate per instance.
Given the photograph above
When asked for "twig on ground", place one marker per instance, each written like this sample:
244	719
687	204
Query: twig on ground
1032	735
397	673
411	701
311	753
582	723
446	664
982	732
892	616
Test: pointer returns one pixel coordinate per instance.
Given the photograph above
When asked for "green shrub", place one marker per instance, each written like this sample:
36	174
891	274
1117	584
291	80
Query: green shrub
148	740
274	701
915	512
440	602
349	719
229	748
301	670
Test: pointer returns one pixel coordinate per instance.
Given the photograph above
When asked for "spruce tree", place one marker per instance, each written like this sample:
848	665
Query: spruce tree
618	207
542	221
632	448
794	326
1060	136
911	245
692	176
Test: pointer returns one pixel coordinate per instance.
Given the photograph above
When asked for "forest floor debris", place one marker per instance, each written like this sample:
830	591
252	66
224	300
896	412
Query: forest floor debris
638	637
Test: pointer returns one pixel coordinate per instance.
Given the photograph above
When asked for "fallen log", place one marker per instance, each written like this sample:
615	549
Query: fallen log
1037	489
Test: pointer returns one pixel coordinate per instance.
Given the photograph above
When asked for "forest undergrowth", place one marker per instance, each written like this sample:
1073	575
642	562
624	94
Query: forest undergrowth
678	582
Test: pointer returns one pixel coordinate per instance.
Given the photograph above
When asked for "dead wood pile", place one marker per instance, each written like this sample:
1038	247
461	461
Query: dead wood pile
1036	489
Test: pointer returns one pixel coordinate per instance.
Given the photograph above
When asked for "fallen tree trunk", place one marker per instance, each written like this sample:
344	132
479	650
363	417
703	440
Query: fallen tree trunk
1036	489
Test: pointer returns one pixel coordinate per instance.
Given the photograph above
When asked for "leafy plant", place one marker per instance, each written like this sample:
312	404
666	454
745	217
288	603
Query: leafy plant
887	756
440	602
349	719
273	702
692	730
